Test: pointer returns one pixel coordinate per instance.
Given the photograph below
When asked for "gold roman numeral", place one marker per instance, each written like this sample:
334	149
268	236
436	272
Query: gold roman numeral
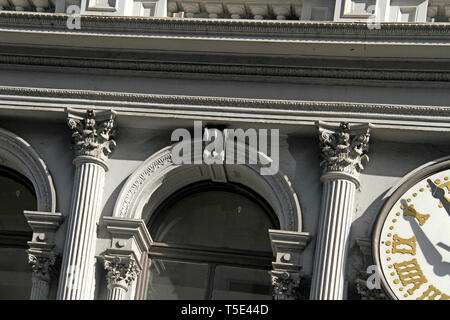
401	245
432	293
410	211
445	185
409	272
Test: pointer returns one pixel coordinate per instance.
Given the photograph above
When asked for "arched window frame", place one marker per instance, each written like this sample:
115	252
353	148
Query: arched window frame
210	255
13	238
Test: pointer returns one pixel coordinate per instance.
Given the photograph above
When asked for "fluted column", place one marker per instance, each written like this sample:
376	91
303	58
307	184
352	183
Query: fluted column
343	151
121	272
92	142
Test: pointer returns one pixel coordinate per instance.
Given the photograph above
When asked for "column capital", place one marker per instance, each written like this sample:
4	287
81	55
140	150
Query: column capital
286	285
368	294
287	247
43	264
343	149
42	255
93	133
361	282
121	270
129	241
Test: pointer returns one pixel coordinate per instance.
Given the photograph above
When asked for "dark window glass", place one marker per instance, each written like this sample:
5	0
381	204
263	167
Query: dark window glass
177	280
16	195
216	218
208	238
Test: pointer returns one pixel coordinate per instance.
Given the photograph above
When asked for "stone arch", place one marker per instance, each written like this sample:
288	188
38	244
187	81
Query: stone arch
158	177
17	154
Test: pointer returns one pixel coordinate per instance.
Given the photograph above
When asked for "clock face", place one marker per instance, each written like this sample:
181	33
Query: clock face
412	240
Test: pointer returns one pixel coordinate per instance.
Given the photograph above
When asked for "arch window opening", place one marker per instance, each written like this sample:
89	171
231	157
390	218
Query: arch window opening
16	195
211	242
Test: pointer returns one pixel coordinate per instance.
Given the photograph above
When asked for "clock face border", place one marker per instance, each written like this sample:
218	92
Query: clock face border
388	205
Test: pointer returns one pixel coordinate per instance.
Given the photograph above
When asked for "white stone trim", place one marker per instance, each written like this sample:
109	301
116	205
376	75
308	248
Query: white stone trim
52	104
144	186
17	154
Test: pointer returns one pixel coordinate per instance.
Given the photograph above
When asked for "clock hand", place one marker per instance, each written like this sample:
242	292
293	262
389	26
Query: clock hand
444	246
439	193
430	253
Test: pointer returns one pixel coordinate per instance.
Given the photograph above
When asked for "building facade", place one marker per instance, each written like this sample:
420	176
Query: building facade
99	100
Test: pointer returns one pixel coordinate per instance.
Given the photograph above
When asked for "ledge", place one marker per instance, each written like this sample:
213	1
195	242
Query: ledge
225	27
398	122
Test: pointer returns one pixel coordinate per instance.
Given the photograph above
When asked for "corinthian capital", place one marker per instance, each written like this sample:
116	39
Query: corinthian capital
43	265
92	132
121	271
286	285
343	148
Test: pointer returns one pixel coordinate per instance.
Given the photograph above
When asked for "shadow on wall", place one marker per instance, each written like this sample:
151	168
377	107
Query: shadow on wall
139	144
304	173
397	159
362	227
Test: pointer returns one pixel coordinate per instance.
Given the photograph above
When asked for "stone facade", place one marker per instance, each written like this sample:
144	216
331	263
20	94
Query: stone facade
339	94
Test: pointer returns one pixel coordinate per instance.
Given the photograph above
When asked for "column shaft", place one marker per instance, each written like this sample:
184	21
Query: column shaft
334	228
77	270
40	289
343	152
116	293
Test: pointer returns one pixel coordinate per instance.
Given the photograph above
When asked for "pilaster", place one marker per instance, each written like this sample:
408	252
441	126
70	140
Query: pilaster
42	255
288	247
130	240
122	271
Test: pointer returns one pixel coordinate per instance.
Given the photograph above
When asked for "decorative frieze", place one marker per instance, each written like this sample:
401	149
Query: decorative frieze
240	9
314	10
28	5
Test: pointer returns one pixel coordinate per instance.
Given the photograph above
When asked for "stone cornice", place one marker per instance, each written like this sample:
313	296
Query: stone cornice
135	101
131	107
303	74
226	27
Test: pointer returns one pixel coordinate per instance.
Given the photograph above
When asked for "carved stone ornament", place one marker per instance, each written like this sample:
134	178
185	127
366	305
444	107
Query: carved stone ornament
93	132
121	271
344	148
43	267
286	285
369	294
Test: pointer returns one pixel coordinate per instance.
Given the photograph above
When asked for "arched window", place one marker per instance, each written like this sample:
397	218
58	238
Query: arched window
16	195
211	242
